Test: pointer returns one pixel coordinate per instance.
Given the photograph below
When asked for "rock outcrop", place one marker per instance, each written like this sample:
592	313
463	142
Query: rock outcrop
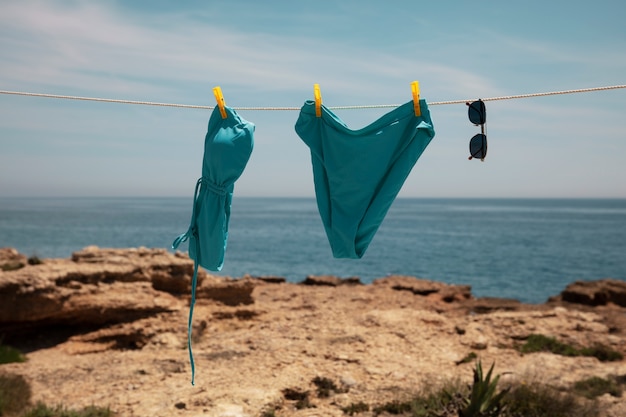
435	290
114	287
330	280
105	286
260	343
11	259
594	293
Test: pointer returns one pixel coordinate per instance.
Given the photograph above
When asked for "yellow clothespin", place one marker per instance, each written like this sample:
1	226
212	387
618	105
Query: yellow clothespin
217	91
318	100
415	89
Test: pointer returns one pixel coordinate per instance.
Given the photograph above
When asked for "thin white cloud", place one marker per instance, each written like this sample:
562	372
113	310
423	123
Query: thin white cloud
96	47
92	47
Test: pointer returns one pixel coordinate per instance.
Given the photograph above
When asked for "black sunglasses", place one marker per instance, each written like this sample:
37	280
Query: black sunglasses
478	115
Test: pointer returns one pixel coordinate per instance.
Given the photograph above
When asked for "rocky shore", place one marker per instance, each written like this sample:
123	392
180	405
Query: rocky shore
108	327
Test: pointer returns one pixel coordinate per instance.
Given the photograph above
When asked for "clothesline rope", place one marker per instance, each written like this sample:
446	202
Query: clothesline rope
371	106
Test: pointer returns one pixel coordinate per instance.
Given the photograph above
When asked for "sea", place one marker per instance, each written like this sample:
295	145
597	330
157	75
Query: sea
526	249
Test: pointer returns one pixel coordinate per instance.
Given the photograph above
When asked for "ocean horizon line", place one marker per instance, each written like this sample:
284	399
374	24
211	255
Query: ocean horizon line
235	196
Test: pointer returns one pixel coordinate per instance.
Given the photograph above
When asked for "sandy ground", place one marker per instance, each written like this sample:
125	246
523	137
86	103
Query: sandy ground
375	343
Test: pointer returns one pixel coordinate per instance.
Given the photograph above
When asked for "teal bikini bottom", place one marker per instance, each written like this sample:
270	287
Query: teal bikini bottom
358	173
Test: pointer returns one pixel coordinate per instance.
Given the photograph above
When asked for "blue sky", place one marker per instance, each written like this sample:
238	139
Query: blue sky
271	54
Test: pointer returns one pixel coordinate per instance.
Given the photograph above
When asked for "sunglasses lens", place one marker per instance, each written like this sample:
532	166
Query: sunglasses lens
477	113
478	146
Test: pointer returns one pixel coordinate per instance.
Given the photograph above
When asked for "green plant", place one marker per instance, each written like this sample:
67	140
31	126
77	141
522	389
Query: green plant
325	386
34	260
428	403
354	408
15	394
9	354
595	386
483	400
394	407
541	343
540	400
602	353
300	397
42	410
467	358
444	402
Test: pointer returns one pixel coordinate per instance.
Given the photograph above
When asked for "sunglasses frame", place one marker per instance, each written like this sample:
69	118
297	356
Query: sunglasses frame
477	114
